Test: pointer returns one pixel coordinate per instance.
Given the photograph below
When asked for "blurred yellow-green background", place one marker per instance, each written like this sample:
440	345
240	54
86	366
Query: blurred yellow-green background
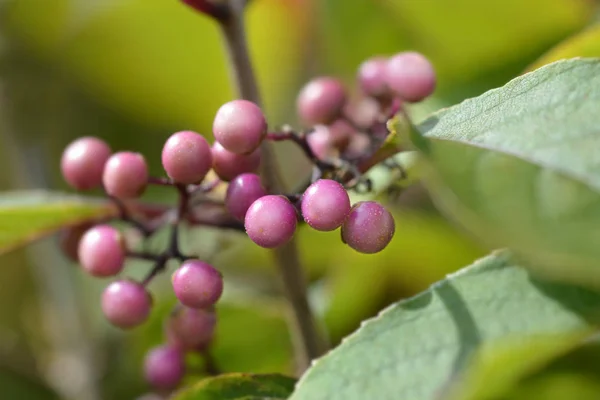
134	71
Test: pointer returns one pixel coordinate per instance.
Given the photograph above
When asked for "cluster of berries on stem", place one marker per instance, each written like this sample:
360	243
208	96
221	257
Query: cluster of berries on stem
340	138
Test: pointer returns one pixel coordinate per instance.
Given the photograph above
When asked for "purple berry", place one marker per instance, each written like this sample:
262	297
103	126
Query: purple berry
126	304
340	132
82	162
101	251
320	142
186	157
228	165
164	367
191	328
271	221
197	284
240	126
411	76
325	205
321	101
358	146
372	77
244	190
125	175
369	227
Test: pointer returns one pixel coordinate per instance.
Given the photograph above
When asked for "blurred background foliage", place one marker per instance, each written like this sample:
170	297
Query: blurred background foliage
134	71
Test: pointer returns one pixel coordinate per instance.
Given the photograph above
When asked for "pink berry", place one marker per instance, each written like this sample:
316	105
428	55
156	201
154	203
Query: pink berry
358	146
240	126
82	162
244	190
369	227
372	77
186	157
102	251
164	367
125	175
191	328
321	143
126	304
271	221
340	133
411	76
228	165
325	205
327	141
321	101
197	284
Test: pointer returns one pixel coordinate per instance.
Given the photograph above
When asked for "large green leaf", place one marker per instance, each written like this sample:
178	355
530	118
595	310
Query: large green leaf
239	387
415	348
29	215
519	166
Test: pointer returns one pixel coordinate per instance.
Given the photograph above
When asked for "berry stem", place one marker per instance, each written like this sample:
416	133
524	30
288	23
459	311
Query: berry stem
126	217
159	181
309	344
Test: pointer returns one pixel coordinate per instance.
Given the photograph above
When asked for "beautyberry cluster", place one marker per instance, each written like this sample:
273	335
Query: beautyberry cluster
341	138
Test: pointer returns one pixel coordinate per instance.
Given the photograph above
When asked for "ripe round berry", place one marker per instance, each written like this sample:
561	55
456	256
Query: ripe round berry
228	165
411	76
125	175
372	77
321	101
358	146
340	133
197	284
325	205
191	328
186	157
126	304
240	126
369	227
164	367
244	190
82	162
271	221
69	239
101	251
320	142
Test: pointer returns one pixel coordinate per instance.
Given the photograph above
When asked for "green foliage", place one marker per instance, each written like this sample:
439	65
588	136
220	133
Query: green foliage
155	60
29	215
498	368
239	387
519	167
474	48
416	347
584	44
15	386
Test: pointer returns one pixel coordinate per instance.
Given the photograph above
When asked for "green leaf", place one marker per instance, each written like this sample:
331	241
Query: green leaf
26	216
584	44
415	348
519	167
239	387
